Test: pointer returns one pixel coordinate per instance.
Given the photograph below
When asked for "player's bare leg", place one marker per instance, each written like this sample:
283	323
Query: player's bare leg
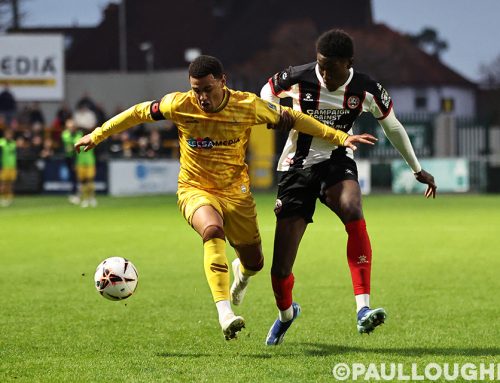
289	232
344	198
209	224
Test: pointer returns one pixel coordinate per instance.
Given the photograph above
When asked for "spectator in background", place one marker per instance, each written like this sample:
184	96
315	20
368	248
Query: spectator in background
100	114
63	113
86	102
47	149
85	118
36	115
58	125
23	146
23	117
170	140
3	125
36	145
143	149
69	137
156	144
8	105
126	145
8	172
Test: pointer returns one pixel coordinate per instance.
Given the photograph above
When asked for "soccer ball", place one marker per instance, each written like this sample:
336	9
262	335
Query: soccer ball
116	278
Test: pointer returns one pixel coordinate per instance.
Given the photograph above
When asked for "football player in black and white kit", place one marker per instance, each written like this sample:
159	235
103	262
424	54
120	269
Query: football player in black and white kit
331	91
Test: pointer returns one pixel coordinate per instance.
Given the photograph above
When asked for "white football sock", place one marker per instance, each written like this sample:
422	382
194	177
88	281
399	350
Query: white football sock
224	309
362	300
286	315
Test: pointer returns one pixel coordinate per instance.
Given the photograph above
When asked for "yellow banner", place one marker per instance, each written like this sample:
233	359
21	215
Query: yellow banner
28	81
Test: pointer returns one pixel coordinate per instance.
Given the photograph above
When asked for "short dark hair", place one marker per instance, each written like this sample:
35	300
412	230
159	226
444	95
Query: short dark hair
335	43
204	65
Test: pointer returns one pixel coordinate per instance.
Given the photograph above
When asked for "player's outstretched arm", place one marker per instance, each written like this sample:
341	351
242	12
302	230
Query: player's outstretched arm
398	137
427	178
284	118
309	125
131	117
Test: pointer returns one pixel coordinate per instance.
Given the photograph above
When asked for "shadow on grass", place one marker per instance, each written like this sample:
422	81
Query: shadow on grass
204	355
324	349
183	355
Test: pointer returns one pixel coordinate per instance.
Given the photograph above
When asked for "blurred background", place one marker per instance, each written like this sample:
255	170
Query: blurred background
88	60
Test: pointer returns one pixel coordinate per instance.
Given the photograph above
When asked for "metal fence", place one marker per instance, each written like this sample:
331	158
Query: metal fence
464	137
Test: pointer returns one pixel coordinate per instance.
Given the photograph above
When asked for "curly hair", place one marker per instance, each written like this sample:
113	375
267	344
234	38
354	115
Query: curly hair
335	43
204	65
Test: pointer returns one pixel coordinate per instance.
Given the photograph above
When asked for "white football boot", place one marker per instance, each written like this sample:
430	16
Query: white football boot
231	325
239	287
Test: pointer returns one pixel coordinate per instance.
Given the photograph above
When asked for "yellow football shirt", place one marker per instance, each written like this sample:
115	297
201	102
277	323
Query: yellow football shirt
213	145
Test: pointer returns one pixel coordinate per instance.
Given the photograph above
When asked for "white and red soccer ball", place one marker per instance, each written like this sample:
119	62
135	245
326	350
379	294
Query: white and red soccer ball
116	278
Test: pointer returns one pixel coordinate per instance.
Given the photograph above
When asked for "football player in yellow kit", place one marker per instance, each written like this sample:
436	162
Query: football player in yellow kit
214	196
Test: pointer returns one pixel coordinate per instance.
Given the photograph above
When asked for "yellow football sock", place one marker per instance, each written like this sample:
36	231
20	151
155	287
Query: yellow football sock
85	191
216	268
91	189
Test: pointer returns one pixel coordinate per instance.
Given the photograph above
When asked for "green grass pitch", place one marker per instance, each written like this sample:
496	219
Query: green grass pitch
436	271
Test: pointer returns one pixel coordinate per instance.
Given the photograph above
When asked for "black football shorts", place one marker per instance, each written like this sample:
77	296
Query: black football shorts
298	189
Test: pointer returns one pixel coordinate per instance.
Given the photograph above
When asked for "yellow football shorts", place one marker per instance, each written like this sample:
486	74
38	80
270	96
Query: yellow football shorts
8	175
238	212
85	173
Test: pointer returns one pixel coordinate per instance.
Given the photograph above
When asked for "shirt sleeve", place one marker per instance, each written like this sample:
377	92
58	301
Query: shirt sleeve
278	85
398	137
148	111
382	103
270	113
267	94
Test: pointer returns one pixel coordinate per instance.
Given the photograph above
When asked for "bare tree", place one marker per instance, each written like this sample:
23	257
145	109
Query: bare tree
490	73
10	14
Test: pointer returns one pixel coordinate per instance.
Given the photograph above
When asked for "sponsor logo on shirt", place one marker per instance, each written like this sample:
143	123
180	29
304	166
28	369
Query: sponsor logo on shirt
308	97
208	143
328	116
272	106
384	96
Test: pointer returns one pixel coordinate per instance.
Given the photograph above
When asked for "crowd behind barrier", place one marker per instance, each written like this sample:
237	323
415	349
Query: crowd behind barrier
38	137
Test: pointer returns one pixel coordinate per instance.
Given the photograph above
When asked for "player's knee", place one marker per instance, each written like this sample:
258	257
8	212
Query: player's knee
349	210
213	231
255	264
351	215
251	257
